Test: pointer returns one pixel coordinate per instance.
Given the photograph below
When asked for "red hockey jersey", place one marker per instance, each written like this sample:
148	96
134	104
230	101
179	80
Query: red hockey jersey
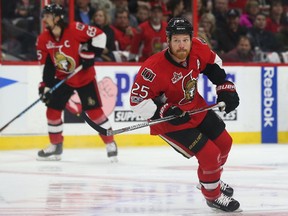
153	41
175	83
65	52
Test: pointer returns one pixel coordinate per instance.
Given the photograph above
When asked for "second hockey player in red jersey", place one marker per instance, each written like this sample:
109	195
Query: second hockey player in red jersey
61	48
166	84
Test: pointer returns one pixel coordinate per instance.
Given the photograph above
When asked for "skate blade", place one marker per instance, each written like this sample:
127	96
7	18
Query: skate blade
216	210
51	158
113	159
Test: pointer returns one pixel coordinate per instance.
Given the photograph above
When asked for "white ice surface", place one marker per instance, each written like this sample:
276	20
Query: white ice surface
146	181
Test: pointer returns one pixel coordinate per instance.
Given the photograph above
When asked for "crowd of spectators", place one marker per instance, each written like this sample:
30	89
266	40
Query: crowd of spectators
237	30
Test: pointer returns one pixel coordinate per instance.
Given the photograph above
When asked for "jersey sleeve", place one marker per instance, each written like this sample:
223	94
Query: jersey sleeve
144	90
85	33
41	50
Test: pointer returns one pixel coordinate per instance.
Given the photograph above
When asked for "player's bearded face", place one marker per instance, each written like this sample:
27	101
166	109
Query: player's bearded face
180	46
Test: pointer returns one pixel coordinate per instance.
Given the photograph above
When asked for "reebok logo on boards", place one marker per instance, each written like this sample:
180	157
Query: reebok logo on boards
269	105
268	98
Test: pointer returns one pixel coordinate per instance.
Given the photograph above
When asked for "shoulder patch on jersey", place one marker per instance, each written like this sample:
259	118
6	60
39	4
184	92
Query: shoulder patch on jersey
80	26
148	74
201	40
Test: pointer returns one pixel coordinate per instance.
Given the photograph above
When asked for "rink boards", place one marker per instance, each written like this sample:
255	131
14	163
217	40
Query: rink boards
260	118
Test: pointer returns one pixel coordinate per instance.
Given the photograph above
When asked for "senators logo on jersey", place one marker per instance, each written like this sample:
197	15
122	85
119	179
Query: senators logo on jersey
189	86
64	63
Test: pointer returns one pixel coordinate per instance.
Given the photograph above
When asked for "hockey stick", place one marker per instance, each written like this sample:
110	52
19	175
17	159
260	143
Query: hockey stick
110	132
50	92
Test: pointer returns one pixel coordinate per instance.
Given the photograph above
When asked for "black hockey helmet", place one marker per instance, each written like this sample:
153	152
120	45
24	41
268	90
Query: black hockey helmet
179	25
55	9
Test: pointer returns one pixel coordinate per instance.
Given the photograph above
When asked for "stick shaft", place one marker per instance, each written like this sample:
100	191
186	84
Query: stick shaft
109	132
164	119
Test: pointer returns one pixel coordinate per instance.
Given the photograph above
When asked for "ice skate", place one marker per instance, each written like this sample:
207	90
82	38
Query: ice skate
51	153
224	203
112	152
224	188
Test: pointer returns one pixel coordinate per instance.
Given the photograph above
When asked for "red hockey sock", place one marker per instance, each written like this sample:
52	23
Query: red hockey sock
55	125
209	170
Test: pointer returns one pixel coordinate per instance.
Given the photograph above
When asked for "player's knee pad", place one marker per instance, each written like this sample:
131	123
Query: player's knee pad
53	114
224	143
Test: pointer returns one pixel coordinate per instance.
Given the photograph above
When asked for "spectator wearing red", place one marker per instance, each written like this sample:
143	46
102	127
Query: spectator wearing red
123	34
151	36
276	19
238	4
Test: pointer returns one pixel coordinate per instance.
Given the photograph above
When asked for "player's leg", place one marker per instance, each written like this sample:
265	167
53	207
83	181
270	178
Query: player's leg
214	128
209	174
211	159
55	124
92	105
191	142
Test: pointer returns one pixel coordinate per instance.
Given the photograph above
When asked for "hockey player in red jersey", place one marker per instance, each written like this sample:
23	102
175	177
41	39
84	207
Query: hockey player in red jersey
166	84
61	48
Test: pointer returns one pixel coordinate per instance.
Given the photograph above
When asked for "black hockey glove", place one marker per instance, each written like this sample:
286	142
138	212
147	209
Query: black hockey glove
227	93
87	59
44	94
168	110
